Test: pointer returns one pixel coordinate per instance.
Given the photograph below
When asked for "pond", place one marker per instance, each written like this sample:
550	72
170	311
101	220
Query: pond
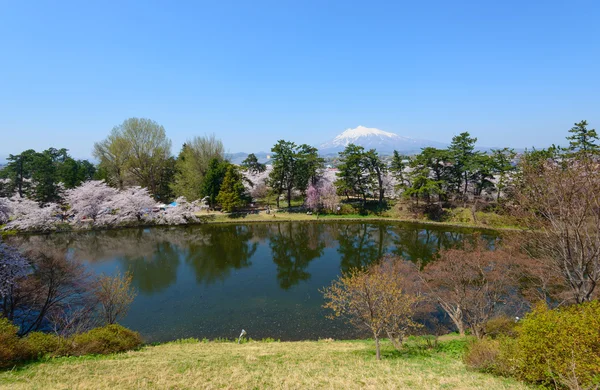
215	280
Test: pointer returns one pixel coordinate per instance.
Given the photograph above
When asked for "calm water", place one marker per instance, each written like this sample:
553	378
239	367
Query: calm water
214	280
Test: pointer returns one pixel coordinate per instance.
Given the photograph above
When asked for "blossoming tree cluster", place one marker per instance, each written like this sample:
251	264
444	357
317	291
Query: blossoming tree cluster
94	204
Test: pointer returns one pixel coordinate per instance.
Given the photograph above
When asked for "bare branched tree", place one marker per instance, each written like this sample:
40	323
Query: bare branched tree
376	300
560	200
115	294
471	284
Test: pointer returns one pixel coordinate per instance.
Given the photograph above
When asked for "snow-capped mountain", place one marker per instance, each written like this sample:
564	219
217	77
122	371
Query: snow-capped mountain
370	138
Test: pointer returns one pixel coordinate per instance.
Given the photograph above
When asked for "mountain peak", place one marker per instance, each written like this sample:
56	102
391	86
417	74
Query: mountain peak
362	131
372	138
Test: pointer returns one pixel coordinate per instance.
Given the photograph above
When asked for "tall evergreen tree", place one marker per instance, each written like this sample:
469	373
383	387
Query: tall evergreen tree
232	193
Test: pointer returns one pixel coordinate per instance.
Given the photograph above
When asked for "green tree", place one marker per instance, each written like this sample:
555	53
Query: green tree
398	169
113	154
351	176
18	171
502	167
232	194
462	153
193	163
137	149
252	165
583	140
293	167
211	185
377	171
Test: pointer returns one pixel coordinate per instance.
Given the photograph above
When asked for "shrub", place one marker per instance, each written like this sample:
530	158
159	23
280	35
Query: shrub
11	348
500	326
497	356
105	340
40	344
561	345
482	355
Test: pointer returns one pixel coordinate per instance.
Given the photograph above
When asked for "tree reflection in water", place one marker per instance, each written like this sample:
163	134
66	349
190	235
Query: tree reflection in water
293	247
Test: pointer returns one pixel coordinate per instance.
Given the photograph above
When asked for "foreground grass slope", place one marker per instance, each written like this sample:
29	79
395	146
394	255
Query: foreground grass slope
286	365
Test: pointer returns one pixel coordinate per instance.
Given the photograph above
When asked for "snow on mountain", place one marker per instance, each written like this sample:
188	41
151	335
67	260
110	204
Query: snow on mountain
370	138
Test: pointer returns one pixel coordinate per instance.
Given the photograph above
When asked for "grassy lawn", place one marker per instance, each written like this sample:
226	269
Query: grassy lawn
190	364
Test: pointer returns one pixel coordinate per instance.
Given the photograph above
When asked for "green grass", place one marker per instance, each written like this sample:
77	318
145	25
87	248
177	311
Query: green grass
193	364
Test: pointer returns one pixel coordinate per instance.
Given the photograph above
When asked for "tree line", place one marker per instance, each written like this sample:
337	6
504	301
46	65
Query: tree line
138	153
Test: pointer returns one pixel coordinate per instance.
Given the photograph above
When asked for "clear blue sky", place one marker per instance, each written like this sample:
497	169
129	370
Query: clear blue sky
515	73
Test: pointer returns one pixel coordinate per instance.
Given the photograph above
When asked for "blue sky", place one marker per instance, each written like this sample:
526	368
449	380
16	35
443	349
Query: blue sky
515	73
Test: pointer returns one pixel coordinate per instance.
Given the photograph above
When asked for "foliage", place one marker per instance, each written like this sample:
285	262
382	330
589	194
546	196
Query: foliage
115	294
135	152
361	173
193	163
561	345
213	179
376	300
39	344
583	141
10	343
293	168
252	165
105	340
41	176
232	194
497	356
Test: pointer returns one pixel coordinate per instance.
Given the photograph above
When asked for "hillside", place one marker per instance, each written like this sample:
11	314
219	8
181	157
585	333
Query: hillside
285	365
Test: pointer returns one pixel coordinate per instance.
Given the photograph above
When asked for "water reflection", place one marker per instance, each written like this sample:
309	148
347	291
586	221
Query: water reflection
208	280
221	250
293	247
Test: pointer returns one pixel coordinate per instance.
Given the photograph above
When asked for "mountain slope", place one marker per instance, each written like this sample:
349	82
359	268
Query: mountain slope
370	138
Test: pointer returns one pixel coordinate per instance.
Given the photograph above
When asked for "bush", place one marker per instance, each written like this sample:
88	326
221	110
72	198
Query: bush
11	348
105	340
561	345
40	344
500	326
558	347
496	356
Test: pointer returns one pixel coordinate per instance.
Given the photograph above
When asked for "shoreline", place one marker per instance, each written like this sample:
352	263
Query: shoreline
223	219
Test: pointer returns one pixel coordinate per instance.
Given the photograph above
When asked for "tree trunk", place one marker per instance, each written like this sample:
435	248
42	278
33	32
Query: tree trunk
377	348
289	197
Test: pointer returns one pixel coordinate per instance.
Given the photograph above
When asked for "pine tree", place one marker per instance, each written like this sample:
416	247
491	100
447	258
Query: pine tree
232	193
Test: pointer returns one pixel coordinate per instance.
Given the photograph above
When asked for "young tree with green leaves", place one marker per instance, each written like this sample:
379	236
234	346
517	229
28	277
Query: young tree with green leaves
138	148
232	194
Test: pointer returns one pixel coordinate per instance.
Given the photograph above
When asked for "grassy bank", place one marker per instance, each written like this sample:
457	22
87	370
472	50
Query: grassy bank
292	217
286	365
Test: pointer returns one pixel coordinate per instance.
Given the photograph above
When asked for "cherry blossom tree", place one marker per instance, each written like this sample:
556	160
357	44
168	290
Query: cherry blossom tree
13	266
27	215
128	205
322	195
90	199
184	212
313	198
5	210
